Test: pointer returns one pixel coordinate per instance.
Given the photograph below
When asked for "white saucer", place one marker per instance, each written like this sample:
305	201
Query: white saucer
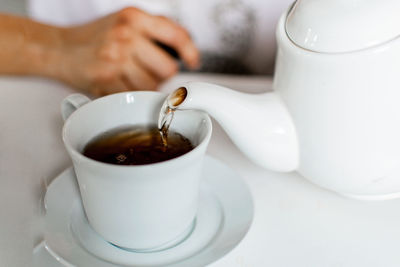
224	217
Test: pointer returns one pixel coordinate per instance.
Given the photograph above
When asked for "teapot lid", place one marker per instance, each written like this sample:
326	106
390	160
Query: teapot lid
337	26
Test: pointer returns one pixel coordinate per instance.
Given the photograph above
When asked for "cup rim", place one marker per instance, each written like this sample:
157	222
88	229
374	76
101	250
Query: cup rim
75	153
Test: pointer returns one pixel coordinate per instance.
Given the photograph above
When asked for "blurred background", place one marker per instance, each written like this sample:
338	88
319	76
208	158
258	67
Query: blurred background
13	6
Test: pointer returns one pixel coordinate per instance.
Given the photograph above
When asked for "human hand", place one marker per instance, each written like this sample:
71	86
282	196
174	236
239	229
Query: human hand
119	52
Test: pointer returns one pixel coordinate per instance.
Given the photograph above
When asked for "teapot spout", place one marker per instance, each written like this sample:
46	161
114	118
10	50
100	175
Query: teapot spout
259	124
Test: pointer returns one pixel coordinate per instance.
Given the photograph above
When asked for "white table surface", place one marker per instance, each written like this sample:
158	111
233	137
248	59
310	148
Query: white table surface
295	224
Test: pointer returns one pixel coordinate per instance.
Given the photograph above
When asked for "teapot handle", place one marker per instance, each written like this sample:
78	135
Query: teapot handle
72	103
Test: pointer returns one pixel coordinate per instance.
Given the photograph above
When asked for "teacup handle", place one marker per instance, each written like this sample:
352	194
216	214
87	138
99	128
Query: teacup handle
72	103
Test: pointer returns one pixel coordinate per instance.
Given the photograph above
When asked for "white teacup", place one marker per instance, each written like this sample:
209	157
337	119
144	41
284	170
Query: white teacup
142	207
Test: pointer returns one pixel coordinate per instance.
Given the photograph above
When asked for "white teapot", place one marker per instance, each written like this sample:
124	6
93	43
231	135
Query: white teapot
334	114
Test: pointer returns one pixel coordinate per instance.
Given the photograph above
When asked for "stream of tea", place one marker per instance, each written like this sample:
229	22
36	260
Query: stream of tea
167	112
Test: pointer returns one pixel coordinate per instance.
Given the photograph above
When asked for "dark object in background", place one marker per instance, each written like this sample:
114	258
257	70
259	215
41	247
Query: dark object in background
220	63
168	49
212	63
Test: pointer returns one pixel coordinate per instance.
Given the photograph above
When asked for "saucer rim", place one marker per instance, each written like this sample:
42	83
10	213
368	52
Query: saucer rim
228	173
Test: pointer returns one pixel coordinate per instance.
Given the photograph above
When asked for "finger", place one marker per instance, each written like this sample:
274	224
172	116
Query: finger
173	35
154	59
137	77
115	90
112	87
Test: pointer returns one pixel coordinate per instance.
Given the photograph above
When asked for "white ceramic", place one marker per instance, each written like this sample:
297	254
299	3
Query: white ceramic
224	216
336	26
333	117
126	204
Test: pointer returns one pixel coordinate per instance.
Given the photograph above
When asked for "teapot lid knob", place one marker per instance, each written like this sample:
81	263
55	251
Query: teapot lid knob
337	26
